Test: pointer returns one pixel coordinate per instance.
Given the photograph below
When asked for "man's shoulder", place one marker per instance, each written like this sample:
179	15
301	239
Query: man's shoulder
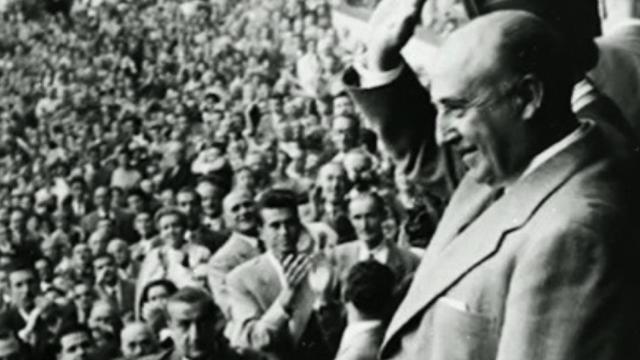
349	248
248	269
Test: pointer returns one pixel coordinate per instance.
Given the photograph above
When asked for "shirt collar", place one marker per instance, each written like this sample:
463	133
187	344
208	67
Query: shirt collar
554	150
360	327
550	152
380	253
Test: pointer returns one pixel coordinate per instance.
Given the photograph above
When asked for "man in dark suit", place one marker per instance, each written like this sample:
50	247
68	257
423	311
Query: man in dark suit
122	221
23	288
366	212
195	331
109	286
189	203
368	294
543	216
273	307
177	170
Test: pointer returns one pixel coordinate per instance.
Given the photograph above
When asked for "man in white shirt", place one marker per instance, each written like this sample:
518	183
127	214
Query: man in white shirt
366	212
273	307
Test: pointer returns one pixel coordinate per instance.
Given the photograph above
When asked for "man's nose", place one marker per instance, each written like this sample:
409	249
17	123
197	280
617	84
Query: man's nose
445	132
193	332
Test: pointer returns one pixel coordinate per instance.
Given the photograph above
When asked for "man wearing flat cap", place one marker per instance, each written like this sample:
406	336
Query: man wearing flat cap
535	254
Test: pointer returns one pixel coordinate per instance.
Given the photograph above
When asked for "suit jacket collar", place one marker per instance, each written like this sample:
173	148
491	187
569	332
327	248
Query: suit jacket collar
467	236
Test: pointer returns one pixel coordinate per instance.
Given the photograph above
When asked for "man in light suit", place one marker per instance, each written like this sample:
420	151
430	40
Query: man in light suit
241	218
368	294
366	212
534	255
273	308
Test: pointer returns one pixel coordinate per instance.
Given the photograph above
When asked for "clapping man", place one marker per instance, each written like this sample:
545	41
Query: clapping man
272	302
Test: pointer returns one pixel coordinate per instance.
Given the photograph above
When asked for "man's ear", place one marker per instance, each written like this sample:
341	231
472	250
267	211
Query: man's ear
530	94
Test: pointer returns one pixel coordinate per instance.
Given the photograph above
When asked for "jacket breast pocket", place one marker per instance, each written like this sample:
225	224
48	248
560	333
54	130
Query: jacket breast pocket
462	335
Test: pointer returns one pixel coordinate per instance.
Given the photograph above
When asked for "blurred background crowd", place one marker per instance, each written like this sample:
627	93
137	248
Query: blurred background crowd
144	147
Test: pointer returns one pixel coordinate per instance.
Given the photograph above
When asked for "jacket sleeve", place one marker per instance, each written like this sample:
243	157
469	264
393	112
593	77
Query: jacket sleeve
402	116
250	325
572	296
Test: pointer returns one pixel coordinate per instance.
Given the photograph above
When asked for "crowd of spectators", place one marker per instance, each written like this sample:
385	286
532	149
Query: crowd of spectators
142	142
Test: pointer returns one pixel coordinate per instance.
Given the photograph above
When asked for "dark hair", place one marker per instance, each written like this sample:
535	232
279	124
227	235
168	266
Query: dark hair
377	199
278	199
194	295
167	284
103	255
170	210
68	330
369	286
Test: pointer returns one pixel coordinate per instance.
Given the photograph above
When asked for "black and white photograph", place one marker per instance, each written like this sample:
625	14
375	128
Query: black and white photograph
319	179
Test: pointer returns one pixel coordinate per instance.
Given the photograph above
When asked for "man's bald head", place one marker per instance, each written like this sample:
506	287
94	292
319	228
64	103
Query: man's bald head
239	211
505	45
137	339
502	85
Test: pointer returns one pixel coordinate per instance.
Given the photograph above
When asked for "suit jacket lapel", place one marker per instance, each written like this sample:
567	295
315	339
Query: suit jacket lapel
457	254
269	283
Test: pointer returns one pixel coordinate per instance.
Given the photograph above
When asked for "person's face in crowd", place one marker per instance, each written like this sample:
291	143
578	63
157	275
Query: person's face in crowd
143	224
117	198
240	213
27	202
124	160
105	271
257	164
76	346
367	217
280	231
245	180
484	123
157	294
82	255
171	230
104	317
62	221
18	222
119	249
333	182
45	273
276	106
135	203
188	204
344	133
51	250
5	234
101	198
24	288
210	199
83	296
167	198
193	329
137	340
358	168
